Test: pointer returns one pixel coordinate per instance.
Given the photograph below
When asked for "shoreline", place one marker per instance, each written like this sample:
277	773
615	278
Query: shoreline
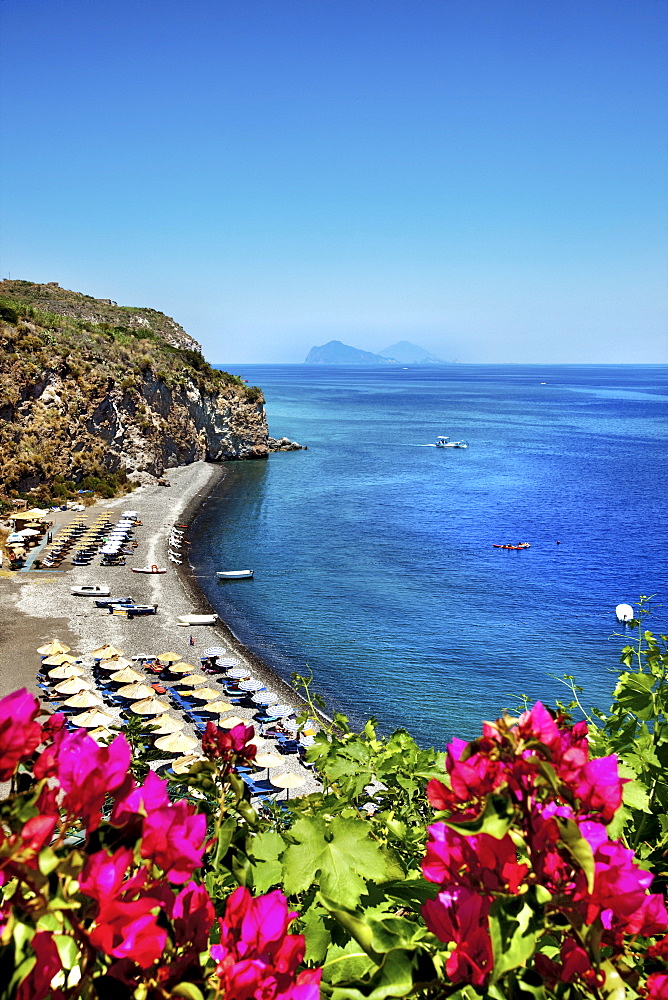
36	605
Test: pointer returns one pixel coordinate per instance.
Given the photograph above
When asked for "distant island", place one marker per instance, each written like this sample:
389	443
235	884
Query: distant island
401	353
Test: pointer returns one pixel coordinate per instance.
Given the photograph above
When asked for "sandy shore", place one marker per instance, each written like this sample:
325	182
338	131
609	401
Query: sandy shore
37	606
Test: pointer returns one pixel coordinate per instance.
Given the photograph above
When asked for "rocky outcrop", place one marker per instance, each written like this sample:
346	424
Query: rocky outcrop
83	401
284	444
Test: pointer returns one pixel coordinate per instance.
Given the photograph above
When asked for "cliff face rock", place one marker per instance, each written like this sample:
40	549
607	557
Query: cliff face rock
83	398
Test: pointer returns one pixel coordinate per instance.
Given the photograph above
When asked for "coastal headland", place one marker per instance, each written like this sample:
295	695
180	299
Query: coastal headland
36	606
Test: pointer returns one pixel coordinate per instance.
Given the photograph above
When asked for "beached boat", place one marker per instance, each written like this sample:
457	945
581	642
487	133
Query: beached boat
198	619
90	590
106	601
148	569
235	574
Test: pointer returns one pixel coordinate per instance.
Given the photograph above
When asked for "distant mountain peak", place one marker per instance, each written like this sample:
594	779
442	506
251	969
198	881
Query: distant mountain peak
410	354
336	353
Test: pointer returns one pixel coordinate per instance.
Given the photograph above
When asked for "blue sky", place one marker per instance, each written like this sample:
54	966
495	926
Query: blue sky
486	178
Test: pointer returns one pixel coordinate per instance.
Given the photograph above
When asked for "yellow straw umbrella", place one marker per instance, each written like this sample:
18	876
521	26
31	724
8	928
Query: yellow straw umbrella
107	651
218	707
163	725
191	680
92	718
169	657
183	764
268	760
202	694
149	706
102	735
136	691
69	670
288	781
73	685
181	668
232	721
85	699
58	659
176	743
114	663
126	676
52	648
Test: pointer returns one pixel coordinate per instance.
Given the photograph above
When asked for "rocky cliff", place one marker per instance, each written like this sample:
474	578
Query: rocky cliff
92	392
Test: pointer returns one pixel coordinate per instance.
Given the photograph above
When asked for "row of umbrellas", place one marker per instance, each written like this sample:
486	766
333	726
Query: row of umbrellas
170	739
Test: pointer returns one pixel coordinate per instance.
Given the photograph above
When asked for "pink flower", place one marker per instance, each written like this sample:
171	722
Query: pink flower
173	838
36	985
481	861
104	876
87	773
225	744
461	917
657	984
599	788
256	956
20	735
130	930
140	800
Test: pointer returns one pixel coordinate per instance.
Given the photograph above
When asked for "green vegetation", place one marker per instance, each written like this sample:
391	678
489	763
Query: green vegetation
63	357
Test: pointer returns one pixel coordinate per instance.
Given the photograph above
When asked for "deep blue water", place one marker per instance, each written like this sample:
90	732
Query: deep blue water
373	552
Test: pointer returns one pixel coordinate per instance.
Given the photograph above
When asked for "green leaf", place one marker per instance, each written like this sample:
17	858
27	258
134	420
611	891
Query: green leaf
67	950
414	891
495	820
338	856
578	847
267	848
188	991
343	964
634	795
514	926
315	926
47	861
634	694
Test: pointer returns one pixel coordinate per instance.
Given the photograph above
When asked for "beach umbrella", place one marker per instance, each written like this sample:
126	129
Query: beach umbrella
239	672
265	698
203	694
58	659
290	724
106	652
114	663
90	719
73	685
51	648
149	706
176	743
287	781
232	721
281	710
181	668
102	735
268	760
252	684
68	670
165	724
84	699
183	764
191	680
214	651
126	676
169	657
217	707
136	691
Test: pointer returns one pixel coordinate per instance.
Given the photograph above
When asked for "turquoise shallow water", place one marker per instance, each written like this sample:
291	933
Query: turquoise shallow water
373	551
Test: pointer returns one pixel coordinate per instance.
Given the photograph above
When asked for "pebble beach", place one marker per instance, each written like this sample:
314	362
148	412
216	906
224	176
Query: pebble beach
36	606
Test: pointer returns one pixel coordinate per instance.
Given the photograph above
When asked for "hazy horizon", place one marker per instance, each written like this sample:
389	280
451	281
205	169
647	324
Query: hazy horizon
483	178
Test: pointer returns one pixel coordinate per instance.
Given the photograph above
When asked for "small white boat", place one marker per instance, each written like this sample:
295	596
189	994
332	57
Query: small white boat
198	619
90	590
445	442
148	569
234	574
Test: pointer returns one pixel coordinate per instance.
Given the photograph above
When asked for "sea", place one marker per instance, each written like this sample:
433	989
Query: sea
373	551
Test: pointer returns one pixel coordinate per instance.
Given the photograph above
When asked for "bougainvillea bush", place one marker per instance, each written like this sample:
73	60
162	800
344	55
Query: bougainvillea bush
529	862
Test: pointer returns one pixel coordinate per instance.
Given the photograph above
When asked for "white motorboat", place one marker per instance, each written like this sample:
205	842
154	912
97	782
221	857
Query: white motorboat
445	442
148	569
90	590
235	574
198	619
